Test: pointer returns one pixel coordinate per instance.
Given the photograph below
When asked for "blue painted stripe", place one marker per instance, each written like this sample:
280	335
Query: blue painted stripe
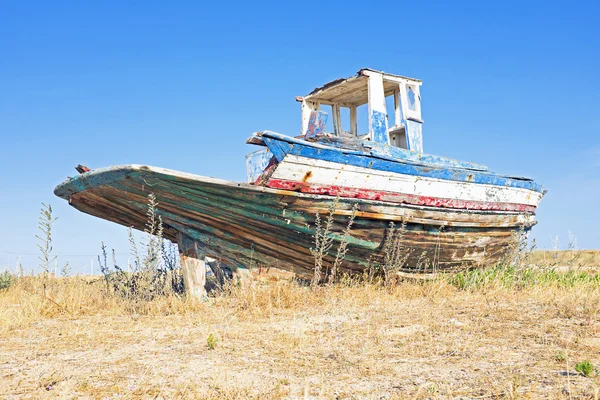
381	150
280	148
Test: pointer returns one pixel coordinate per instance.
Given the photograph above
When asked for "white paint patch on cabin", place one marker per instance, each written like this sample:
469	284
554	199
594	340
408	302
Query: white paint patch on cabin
371	87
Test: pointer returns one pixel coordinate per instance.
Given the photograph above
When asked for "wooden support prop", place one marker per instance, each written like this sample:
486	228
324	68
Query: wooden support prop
193	266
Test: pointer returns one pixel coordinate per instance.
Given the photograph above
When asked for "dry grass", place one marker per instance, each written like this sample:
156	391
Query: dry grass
566	258
477	338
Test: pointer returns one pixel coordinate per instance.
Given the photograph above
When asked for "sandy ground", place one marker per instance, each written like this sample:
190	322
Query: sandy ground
417	341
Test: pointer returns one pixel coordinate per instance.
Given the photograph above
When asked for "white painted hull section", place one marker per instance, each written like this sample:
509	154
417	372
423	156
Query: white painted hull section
313	171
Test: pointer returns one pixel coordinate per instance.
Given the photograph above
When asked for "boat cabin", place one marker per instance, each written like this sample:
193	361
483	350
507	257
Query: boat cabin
369	87
384	97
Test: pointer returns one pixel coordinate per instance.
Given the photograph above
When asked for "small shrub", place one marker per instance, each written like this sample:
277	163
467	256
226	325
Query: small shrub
343	246
325	238
323	242
395	253
65	270
211	341
6	280
560	356
585	368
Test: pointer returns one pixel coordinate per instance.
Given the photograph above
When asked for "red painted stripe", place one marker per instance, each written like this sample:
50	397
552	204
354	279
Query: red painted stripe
367	194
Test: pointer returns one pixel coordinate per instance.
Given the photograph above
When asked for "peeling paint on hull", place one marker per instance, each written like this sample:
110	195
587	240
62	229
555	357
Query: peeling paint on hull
248	226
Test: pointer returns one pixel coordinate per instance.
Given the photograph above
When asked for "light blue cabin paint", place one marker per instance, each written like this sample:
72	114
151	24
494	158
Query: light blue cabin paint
316	124
414	135
379	127
256	163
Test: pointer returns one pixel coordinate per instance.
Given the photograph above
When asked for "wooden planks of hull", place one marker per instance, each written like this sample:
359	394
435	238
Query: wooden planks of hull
249	226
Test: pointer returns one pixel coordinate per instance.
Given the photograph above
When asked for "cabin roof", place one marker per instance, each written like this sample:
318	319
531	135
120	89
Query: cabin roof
353	90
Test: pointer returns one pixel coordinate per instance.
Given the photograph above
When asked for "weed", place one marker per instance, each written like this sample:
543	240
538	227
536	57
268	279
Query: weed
343	246
560	356
45	238
65	270
395	254
432	389
585	368
6	280
157	273
211	341
325	238
323	241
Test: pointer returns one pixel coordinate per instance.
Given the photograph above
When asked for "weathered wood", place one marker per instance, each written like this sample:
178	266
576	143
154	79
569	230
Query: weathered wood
360	147
353	121
353	90
316	124
193	266
256	163
337	120
249	226
282	146
397	108
378	125
317	176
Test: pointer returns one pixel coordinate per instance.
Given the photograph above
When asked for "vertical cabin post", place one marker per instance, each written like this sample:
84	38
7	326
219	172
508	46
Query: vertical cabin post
337	120
307	108
353	125
411	110
193	266
397	109
378	125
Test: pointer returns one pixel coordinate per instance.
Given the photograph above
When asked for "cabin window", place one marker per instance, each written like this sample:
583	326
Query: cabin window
328	109
396	130
390	108
398	137
362	120
345	120
412	104
350	126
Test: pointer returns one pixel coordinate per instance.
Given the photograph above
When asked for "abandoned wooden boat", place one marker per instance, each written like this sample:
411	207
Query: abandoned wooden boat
442	213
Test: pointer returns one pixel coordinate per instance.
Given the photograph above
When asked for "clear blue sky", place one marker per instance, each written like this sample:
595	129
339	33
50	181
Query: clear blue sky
514	85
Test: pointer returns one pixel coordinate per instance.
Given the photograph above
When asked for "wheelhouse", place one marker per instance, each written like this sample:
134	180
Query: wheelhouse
371	88
393	130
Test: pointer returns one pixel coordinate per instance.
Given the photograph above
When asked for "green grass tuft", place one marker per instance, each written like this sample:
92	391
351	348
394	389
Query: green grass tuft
510	276
211	341
585	368
6	280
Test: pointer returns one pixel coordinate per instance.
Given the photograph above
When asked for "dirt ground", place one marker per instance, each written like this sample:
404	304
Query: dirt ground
415	340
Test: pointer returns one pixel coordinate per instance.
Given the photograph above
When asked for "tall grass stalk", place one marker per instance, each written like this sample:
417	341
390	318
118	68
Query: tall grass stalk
323	241
395	254
343	247
45	237
156	273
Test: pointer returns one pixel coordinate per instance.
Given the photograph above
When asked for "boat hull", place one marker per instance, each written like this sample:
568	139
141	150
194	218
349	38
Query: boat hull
249	226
